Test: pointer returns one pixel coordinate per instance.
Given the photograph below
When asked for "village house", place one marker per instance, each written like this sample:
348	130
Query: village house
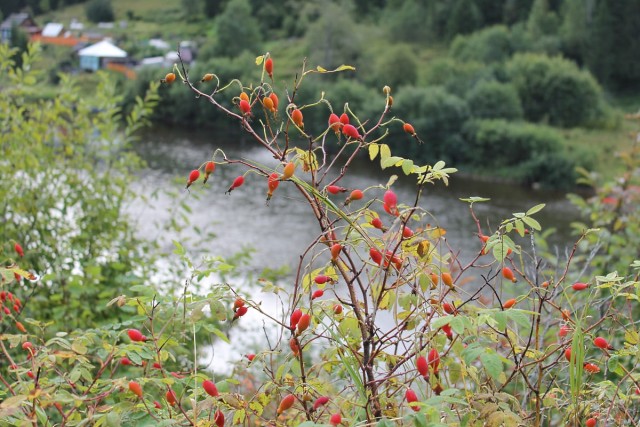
21	20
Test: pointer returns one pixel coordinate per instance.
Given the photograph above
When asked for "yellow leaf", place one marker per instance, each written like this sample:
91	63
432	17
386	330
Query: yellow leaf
259	59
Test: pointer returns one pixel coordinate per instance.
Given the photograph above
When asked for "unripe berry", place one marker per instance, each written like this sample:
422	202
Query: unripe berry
169	78
268	104
289	170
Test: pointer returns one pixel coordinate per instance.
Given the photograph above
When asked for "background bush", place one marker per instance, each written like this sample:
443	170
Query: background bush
490	99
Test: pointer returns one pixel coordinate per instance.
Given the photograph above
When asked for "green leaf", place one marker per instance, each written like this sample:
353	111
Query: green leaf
441	321
492	364
501	320
390	161
374	149
385	152
457	324
532	223
407	166
535	209
614	365
475	199
385	423
472	352
519	317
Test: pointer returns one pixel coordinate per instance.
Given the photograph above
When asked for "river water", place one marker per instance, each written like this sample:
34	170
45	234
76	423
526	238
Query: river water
280	232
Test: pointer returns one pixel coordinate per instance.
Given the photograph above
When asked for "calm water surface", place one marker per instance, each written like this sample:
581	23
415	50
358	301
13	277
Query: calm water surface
280	232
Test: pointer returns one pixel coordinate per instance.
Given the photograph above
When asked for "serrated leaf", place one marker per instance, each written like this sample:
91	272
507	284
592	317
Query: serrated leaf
519	317
472	352
441	321
491	362
374	149
535	209
457	324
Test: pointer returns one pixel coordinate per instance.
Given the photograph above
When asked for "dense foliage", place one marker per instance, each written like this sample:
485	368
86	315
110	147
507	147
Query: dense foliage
383	322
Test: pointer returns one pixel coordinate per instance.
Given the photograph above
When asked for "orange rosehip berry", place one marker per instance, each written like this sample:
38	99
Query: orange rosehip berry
169	78
409	129
268	67
296	116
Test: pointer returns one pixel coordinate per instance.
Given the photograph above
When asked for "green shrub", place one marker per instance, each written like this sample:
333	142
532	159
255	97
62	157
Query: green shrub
439	119
494	100
492	44
554	90
99	11
457	77
397	67
526	153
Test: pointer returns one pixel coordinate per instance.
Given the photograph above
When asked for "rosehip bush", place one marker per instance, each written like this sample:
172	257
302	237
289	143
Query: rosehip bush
379	325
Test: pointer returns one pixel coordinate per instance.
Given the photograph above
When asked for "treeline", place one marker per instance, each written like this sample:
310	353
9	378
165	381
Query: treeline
504	77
